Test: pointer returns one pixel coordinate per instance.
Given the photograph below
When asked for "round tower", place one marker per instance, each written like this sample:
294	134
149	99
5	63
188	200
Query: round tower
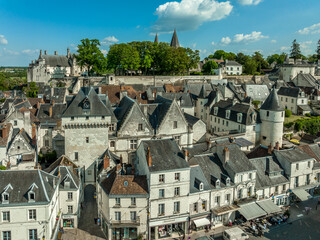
272	118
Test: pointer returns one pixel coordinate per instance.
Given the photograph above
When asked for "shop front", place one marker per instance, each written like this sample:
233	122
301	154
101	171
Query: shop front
69	221
224	215
173	229
124	233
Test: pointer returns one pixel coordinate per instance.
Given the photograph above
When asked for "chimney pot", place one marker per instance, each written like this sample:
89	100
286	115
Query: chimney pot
186	155
4	131
277	146
106	162
269	149
50	111
149	158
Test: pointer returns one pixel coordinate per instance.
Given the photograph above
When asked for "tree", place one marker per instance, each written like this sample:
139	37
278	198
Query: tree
2	167
288	113
318	49
91	57
295	50
261	63
250	67
220	54
208	67
279	59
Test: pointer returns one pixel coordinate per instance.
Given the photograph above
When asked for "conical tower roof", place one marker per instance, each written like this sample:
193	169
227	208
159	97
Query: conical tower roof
174	40
272	102
156	40
203	92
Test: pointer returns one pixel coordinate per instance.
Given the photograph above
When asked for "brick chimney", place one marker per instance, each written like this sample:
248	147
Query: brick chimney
277	146
38	105
4	131
149	159
50	110
106	162
269	149
118	169
226	154
186	155
34	134
53	102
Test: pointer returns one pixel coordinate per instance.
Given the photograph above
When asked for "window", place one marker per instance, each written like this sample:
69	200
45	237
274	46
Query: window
102	118
286	99
302	101
32	214
215	110
284	187
46	142
217	200
5	197
222	122
176	207
70	209
133	216
267	113
297	182
133	144
76	156
239	117
281	114
161	209
227	123
72	118
240	193
177	139
195	207
201	186
309	164
15	123
6	216
33	234
240	178
133	201
297	166
111	127
112	144
31	196
118	201
175	124
118	216
70	196
140	127
161	178
227	199
177	191
291	100
228	181
87	117
161	193
87	139
89	172
204	205
281	98
6	235
250	176
177	176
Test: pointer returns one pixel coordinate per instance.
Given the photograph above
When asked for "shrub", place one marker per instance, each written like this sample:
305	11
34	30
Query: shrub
2	167
288	125
308	114
287	113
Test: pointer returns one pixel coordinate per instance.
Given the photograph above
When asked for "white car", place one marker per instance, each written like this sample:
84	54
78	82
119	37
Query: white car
234	234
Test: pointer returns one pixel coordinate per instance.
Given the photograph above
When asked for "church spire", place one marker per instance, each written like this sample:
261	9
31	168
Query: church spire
174	40
156	40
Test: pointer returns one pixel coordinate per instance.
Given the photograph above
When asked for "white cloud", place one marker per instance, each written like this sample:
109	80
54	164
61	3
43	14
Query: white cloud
3	40
10	52
213	43
138	26
314	29
273	41
249	2
104	51
189	14
30	51
283	49
194	45
243	38
305	44
225	40
109	40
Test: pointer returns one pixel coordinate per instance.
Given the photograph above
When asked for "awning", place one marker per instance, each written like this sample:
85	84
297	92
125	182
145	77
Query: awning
201	222
225	209
301	194
268	206
251	211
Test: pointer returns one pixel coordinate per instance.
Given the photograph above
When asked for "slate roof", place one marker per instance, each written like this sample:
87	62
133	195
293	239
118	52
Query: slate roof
272	102
307	78
165	154
174	40
196	177
67	173
242	142
57	60
195	89
59	94
257	92
265	165
61	161
97	108
57	112
238	161
184	99
122	111
248	112
21	181
212	169
289	91
191	120
125	185
24	134
232	63
313	150
292	155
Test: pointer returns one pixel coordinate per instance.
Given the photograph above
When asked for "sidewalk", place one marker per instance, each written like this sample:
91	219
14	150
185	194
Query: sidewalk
217	232
298	210
78	234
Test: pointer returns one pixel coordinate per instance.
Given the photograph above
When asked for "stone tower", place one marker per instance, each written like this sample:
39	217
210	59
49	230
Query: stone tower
174	40
272	118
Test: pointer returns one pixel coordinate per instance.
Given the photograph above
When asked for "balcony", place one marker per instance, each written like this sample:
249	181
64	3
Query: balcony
124	223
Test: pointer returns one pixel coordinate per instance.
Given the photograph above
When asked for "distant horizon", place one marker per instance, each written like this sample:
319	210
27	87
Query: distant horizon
207	25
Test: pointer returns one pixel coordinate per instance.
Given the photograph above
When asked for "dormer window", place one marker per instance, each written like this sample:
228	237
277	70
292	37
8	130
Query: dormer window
239	117
31	196
67	184
215	110
228	114
201	186
5	197
228	181
218	183
86	104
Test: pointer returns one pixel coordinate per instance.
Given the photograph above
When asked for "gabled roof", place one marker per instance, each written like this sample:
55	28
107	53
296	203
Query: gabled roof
24	135
57	112
304	80
272	102
184	99
125	185
61	161
292	155
165	155
289	91
313	150
21	182
191	120
67	174
197	177
97	108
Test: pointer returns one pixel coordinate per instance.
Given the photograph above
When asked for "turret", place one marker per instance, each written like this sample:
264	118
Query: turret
174	40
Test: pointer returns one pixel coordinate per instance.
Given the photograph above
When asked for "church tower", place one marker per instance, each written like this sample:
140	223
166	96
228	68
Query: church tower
156	40
174	40
272	118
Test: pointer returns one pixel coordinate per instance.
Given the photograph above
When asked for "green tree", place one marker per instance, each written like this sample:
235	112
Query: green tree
250	67
279	59
2	167
221	54
288	113
208	67
318	50
261	63
295	50
31	90
90	56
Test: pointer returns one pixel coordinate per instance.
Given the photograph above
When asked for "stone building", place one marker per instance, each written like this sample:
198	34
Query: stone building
292	67
294	99
86	123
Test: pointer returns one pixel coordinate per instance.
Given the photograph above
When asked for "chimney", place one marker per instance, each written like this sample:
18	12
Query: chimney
4	131
118	169
269	149
149	159
121	161
55	52
45	52
26	115
34	134
38	105
106	162
186	154
277	146
32	61
68	53
40	56
209	144
226	154
50	110
53	102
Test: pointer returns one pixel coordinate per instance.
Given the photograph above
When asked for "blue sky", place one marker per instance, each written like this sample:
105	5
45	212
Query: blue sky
268	26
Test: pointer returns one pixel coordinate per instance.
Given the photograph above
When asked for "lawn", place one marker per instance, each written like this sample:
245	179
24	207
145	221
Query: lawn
293	118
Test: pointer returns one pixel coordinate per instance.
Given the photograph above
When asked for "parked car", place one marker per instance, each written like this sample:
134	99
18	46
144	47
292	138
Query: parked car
234	234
